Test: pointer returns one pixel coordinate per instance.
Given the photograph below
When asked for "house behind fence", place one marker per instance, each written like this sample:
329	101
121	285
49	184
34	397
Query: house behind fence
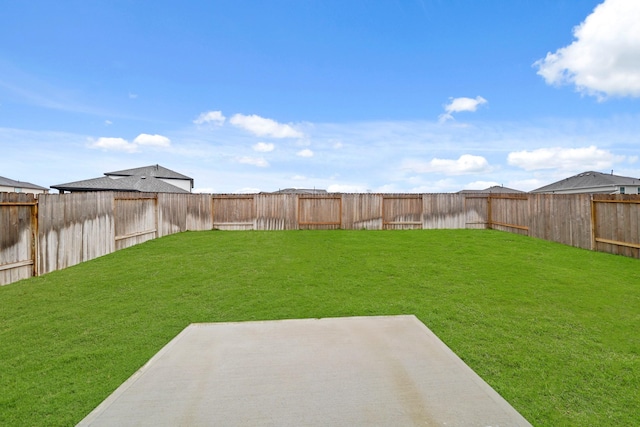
55	231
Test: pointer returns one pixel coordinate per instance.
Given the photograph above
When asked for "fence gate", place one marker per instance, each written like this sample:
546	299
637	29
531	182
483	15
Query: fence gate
18	240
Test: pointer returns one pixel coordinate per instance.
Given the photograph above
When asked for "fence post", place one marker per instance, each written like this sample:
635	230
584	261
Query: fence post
34	237
594	223
156	203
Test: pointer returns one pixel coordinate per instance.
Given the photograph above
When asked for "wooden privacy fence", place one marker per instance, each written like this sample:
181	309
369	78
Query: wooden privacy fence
18	236
616	225
55	231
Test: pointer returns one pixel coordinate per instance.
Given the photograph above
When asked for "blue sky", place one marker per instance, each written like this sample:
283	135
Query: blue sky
348	96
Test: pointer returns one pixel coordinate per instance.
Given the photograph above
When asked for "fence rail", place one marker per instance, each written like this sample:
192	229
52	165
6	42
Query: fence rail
55	231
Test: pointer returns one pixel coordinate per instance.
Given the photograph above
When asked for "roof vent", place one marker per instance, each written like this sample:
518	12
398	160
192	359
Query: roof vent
143	177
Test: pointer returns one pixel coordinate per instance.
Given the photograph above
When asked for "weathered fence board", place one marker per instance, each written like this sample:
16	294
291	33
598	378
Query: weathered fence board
276	211
199	212
319	212
562	218
18	225
74	228
616	226
476	210
401	211
509	213
362	211
236	212
172	213
443	211
135	218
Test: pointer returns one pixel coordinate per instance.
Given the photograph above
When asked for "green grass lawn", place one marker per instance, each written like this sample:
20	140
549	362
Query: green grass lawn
554	329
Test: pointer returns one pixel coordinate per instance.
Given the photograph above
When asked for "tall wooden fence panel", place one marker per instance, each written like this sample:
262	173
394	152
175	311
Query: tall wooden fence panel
509	212
616	224
362	211
199	212
18	229
476	208
561	218
443	211
135	218
234	212
319	212
401	211
276	211
172	213
74	228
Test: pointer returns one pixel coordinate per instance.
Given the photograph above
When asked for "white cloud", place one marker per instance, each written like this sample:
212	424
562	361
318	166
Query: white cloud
458	105
255	161
566	159
372	156
152	140
604	59
466	164
264	147
133	95
108	122
299	178
264	127
121	144
114	144
214	117
305	153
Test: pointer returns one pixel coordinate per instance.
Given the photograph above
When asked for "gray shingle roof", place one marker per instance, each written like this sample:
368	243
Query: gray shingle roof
130	183
148	179
588	180
300	191
494	189
21	184
155	171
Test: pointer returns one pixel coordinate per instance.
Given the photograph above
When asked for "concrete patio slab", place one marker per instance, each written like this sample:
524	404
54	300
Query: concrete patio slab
355	371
